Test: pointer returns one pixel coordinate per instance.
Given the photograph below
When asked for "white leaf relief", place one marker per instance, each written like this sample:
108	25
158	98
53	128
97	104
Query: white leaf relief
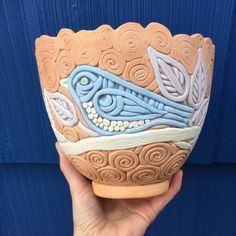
172	78
62	107
198	83
59	136
200	114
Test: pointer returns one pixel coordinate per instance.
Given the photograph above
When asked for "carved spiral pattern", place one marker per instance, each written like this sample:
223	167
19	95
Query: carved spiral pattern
49	74
146	164
105	36
112	61
65	63
65	37
97	158
207	51
198	39
139	71
185	51
84	168
70	134
130	40
173	164
111	175
160	37
46	47
157	153
144	174
124	160
87	51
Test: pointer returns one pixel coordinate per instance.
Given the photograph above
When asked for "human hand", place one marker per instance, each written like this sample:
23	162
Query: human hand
93	215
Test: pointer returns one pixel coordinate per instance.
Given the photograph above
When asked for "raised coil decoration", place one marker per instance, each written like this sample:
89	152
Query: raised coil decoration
112	61
111	175
62	107
130	40
172	78
111	105
146	164
200	114
156	153
173	164
160	37
144	174
84	168
185	51
125	160
198	83
97	158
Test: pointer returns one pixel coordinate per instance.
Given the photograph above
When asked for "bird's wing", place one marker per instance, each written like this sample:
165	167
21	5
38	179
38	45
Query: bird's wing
114	104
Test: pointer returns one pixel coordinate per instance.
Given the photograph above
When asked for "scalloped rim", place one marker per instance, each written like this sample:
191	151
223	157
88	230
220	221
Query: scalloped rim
130	22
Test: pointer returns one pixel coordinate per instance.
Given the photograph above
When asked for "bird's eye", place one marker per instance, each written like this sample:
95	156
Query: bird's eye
84	81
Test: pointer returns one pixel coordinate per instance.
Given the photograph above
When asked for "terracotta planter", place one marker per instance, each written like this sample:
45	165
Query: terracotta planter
126	104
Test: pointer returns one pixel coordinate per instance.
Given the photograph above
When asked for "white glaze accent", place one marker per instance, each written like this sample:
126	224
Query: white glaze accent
85	105
99	120
106	122
125	141
84	81
110	128
63	82
88	109
90	104
126	124
183	145
111	125
120	123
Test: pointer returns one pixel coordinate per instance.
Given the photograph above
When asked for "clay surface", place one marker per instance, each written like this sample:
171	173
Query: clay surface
126	104
143	165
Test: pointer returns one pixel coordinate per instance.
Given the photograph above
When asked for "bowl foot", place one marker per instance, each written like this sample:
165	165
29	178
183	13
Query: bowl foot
126	192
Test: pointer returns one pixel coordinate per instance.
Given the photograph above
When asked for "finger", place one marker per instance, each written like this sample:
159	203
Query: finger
160	202
76	181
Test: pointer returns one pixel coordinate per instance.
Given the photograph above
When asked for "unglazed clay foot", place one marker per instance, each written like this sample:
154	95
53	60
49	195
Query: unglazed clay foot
127	104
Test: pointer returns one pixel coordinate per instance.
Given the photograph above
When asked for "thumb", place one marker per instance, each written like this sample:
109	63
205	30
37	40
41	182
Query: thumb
86	206
77	182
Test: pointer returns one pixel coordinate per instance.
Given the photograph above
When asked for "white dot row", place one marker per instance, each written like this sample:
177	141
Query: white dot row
108	125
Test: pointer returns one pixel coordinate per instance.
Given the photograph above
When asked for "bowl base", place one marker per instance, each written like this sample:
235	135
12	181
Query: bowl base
127	192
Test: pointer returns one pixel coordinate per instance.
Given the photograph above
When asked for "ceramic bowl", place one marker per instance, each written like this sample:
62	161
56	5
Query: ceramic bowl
126	104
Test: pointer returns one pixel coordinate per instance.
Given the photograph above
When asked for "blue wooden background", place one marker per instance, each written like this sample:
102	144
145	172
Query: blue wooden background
34	197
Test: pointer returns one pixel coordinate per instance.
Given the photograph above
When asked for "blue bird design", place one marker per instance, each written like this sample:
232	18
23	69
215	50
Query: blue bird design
108	102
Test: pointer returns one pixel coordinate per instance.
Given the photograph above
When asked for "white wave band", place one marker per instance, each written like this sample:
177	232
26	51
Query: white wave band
125	141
